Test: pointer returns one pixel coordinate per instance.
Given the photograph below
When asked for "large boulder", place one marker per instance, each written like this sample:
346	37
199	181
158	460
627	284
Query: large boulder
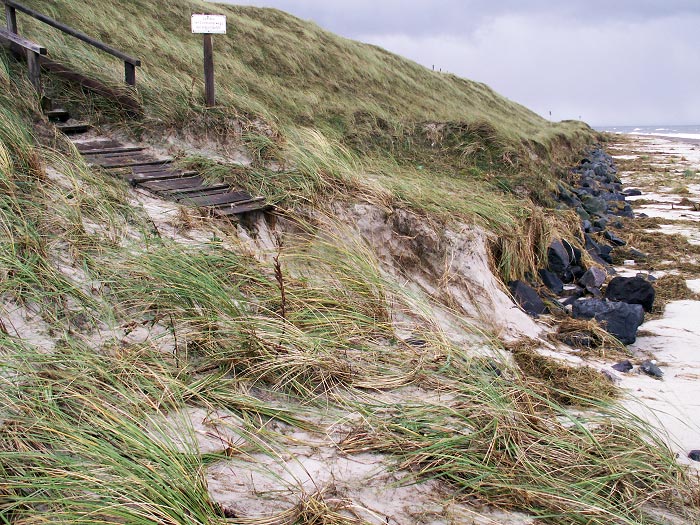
526	296
619	319
552	281
631	290
593	279
559	258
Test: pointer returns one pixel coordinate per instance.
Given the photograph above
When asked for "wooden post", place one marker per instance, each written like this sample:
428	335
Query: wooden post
34	70
209	89
11	17
130	73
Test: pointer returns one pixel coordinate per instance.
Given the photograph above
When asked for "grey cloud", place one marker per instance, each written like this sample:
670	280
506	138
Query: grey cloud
351	18
610	62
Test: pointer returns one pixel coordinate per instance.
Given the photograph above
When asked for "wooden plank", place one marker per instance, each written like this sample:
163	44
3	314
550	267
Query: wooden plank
70	129
35	71
215	200
11	18
25	43
58	115
97	158
252	205
129	73
73	32
202	191
135	163
138	178
209	89
109	151
174	184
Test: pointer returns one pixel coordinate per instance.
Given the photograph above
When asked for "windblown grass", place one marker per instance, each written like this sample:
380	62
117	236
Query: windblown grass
313	324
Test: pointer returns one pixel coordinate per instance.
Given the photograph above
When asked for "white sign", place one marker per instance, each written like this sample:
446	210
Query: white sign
209	24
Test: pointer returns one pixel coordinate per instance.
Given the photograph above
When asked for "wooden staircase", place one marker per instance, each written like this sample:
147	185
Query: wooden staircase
133	163
160	176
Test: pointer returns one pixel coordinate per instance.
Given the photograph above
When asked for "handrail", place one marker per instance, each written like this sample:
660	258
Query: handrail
130	62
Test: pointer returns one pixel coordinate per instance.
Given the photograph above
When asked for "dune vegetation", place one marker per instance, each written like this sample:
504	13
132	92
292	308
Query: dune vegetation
119	328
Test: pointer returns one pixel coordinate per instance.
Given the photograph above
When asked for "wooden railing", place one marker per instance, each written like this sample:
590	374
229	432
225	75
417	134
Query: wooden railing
130	63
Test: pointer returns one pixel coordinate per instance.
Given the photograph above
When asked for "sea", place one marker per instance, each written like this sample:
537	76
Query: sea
683	132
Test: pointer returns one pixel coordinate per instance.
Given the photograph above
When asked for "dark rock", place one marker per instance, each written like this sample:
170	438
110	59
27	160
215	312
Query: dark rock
552	281
526	296
631	290
623	366
594	205
632	192
594	278
617	241
558	258
605	253
576	272
586	225
601	223
650	369
647	277
619	319
694	455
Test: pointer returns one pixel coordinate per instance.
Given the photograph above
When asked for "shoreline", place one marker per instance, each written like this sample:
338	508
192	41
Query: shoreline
654	164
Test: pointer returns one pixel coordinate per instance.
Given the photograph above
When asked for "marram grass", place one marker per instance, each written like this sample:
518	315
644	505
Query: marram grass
311	325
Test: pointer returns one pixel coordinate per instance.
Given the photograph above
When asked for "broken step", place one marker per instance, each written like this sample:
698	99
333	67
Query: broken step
58	115
218	199
239	208
73	129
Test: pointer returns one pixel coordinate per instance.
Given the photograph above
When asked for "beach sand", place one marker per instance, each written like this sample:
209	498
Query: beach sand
667	170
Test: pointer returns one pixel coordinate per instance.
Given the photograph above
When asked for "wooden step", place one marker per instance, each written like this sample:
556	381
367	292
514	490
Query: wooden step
178	184
58	115
239	208
111	151
73	129
201	191
139	178
134	163
217	200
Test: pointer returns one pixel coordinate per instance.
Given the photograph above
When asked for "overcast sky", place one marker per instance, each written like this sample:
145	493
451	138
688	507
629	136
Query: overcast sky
626	62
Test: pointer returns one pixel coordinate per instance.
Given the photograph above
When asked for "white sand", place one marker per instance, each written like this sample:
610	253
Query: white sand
672	402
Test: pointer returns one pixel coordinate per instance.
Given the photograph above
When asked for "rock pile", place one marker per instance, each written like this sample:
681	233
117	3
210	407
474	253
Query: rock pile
598	198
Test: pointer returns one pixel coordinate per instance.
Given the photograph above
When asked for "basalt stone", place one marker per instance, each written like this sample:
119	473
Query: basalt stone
558	258
601	171
552	281
594	278
623	366
594	205
650	369
586	225
617	241
605	253
694	455
632	192
631	290
601	223
526	296
619	319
